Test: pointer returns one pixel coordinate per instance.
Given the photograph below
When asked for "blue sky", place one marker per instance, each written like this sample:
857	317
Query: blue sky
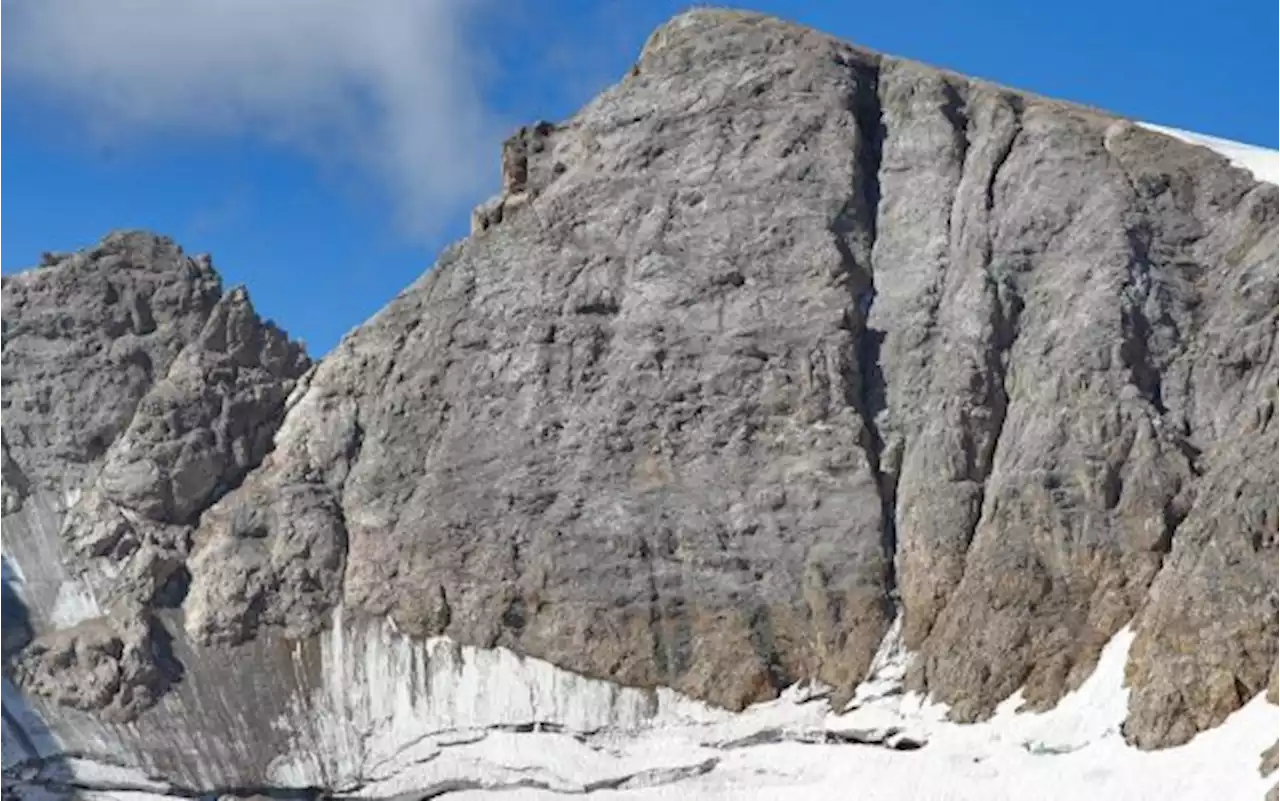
325	150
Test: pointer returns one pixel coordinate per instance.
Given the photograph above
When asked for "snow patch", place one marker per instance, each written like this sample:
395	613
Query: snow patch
397	717
386	697
1090	714
1072	752
89	773
74	604
888	669
1262	162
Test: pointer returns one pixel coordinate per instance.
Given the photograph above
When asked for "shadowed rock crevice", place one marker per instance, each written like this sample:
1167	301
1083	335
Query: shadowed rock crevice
16	484
872	398
1135	350
1005	309
855	238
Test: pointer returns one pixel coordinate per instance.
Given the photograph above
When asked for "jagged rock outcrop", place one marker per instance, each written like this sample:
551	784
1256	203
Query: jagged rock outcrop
775	338
194	436
115	668
136	393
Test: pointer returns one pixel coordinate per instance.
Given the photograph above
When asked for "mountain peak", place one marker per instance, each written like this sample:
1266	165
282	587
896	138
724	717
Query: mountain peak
776	357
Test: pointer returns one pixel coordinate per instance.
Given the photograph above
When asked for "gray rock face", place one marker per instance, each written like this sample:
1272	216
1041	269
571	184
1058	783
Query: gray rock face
114	668
774	340
135	394
118	313
193	436
775	314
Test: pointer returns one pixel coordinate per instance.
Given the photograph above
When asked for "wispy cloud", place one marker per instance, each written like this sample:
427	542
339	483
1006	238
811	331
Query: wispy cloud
395	86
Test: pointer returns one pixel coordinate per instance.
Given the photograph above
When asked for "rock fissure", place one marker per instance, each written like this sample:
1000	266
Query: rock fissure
1006	307
855	233
1136	347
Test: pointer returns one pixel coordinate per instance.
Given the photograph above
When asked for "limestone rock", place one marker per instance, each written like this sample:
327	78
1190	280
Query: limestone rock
136	394
200	430
194	435
529	165
116	668
774	339
629	465
85	337
791	330
1269	760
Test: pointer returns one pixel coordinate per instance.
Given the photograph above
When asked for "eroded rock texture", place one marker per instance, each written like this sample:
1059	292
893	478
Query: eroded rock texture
774	314
107	666
135	393
773	340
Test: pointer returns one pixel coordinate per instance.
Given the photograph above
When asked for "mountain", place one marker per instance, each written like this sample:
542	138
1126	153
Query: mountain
784	376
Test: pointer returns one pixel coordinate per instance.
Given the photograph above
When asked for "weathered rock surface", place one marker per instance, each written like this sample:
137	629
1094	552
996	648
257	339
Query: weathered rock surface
1270	760
114	668
771	340
193	436
135	393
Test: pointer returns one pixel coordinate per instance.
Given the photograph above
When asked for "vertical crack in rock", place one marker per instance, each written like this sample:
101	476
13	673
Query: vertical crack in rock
855	233
1145	374
1006	309
955	109
16	486
933	260
1136	327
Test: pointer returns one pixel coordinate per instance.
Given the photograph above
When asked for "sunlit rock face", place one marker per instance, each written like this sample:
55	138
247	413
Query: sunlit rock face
776	352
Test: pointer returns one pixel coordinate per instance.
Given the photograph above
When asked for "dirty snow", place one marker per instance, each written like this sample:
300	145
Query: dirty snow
407	719
1071	753
456	734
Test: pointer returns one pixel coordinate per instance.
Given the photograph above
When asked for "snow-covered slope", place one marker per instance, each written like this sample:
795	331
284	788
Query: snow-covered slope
795	750
1263	163
472	722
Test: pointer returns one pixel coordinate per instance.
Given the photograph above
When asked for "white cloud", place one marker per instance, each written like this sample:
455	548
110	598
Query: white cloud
391	85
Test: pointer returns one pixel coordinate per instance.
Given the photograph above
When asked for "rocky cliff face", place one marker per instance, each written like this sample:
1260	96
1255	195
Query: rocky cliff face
774	341
135	394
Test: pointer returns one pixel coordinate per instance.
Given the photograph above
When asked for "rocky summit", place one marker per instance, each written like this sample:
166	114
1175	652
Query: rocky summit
776	342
